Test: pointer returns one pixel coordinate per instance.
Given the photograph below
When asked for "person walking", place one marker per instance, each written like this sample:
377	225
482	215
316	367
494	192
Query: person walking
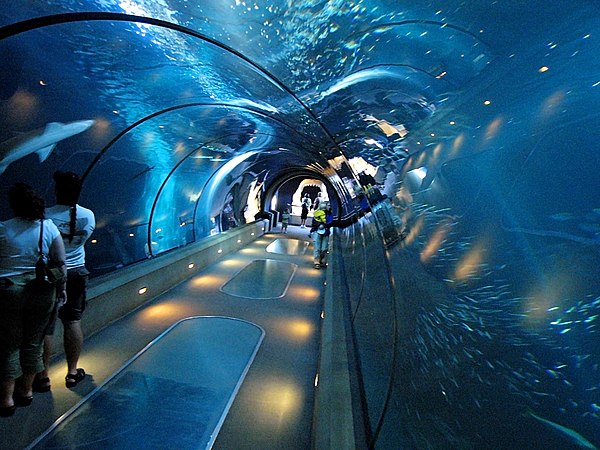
320	231
25	302
76	225
285	220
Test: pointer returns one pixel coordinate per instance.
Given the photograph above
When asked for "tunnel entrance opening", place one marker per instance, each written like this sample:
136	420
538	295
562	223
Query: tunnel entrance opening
289	196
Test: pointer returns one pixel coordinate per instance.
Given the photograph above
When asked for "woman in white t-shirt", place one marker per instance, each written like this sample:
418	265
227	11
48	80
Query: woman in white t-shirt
25	305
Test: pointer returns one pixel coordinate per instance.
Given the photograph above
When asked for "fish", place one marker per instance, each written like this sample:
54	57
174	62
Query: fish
575	437
588	226
562	216
144	171
557	234
41	141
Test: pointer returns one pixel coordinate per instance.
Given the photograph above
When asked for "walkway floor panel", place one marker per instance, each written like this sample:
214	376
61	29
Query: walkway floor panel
288	247
175	393
261	279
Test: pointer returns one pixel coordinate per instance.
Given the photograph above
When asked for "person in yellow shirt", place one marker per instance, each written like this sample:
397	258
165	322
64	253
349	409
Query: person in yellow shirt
320	232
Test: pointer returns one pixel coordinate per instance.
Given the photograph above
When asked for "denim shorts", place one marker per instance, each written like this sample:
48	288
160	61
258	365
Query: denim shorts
73	309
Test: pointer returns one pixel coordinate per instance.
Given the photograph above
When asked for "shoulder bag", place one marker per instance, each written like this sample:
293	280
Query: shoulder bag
46	273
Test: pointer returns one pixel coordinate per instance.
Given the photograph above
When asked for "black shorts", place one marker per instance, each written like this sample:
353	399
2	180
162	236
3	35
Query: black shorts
73	309
304	213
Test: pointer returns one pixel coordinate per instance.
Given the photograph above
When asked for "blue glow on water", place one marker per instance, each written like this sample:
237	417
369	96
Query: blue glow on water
479	119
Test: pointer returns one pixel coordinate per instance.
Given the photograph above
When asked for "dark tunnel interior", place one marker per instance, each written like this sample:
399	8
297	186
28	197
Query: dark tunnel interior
456	140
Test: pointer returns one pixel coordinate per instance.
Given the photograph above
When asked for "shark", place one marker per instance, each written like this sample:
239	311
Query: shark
41	141
570	434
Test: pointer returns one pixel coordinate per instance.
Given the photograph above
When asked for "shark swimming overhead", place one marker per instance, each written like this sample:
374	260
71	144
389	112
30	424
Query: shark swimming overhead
41	141
575	438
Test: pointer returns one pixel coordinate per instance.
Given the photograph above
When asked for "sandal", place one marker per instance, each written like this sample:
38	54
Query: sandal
22	400
7	411
41	385
71	380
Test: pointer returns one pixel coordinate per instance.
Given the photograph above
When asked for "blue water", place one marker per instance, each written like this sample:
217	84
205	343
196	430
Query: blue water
496	101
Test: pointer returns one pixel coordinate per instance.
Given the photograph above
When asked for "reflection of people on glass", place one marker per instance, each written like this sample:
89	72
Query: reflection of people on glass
305	203
75	224
320	231
25	303
228	218
317	201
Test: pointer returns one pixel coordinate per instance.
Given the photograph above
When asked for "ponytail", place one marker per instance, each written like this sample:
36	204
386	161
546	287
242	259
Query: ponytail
72	222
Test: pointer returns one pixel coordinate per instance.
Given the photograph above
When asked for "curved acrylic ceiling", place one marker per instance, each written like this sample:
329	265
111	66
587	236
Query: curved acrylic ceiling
167	80
335	70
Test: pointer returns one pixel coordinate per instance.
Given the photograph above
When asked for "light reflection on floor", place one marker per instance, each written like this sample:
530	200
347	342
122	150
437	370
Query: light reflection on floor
251	251
233	262
304	293
209	281
283	401
165	312
295	329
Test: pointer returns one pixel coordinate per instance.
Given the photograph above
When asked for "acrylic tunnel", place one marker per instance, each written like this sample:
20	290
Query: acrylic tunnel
457	145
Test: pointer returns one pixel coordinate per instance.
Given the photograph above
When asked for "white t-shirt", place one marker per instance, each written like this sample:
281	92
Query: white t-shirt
19	244
84	226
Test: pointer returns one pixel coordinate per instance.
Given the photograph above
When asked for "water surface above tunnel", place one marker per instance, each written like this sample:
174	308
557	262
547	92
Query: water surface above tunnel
471	127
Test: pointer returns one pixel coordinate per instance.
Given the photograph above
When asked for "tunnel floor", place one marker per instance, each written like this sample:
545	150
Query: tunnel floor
271	407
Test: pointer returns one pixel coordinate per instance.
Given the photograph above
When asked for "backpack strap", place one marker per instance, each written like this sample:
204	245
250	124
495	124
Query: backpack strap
40	248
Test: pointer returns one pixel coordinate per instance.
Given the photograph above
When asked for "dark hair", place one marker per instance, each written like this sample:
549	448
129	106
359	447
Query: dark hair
67	187
25	203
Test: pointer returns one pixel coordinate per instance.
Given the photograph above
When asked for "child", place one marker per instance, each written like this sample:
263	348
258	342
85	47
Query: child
285	220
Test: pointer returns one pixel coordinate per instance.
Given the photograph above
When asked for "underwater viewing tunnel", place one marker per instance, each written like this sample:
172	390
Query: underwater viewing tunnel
457	143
